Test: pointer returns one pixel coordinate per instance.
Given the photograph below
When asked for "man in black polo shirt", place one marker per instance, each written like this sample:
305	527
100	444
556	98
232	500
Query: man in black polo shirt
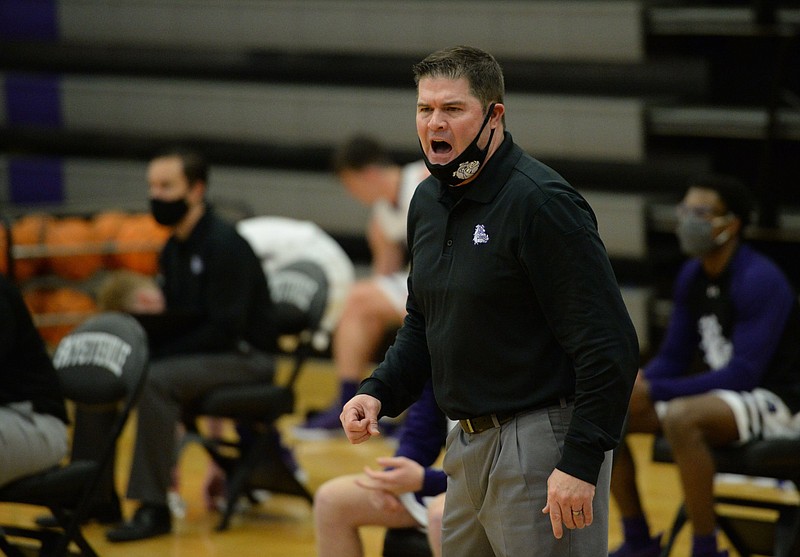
515	313
209	273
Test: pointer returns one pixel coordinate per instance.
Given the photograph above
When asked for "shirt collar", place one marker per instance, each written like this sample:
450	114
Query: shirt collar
200	228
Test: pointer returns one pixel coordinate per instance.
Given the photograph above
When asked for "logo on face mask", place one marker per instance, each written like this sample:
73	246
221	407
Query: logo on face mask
467	169
465	165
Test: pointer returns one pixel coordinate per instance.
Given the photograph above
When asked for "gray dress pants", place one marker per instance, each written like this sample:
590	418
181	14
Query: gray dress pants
29	442
171	384
497	488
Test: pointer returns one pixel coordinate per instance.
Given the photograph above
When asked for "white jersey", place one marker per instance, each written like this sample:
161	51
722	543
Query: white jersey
393	219
278	241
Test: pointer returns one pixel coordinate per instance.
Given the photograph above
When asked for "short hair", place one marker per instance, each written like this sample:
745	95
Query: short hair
482	71
734	194
194	164
358	152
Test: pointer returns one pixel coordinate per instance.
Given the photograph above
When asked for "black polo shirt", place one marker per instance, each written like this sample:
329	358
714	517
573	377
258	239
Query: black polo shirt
512	305
215	275
26	371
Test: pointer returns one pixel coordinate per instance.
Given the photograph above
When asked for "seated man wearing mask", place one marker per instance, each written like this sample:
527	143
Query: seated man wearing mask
209	271
728	370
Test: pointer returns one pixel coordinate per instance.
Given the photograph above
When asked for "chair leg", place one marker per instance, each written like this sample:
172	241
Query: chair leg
7	548
61	547
52	542
787	533
263	449
677	525
235	487
259	448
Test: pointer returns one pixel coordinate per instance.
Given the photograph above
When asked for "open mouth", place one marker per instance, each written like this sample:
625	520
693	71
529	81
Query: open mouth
441	147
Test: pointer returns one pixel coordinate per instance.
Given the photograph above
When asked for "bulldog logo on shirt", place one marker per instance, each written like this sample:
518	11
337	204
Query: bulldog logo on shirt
196	264
480	236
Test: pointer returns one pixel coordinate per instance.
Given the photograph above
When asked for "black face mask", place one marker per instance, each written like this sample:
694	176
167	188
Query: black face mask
168	213
465	165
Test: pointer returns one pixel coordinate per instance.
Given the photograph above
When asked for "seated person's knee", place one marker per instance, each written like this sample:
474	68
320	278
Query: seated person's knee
328	502
679	418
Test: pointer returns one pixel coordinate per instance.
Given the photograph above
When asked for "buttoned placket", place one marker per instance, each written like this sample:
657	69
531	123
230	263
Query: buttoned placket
452	228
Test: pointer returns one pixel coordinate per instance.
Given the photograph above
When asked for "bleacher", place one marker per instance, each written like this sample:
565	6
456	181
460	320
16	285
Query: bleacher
626	98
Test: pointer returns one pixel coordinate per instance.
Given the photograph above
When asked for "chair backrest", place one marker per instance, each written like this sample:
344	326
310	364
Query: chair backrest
280	242
103	361
300	293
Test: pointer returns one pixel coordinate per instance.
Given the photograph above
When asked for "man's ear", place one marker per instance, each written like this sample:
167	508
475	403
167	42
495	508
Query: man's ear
736	226
372	172
197	191
497	116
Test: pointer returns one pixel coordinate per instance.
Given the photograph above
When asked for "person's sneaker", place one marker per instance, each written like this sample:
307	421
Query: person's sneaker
148	522
651	549
176	504
322	425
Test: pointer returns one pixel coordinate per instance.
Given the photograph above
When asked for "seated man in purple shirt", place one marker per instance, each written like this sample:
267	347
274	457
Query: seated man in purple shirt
407	493
728	370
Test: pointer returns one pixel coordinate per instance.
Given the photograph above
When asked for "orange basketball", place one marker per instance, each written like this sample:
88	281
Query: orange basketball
28	235
35	299
74	254
105	227
58	311
139	241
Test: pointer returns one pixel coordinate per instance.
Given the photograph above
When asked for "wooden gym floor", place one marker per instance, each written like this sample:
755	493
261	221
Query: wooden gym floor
282	526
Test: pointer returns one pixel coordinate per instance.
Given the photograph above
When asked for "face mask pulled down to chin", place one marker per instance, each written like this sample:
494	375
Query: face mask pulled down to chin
467	164
168	213
696	237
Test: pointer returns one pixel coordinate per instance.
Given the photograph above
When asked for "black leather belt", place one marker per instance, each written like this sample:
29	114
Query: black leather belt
483	423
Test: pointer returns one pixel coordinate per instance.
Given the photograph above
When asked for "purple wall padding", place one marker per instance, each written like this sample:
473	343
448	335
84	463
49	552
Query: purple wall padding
35	180
28	20
33	100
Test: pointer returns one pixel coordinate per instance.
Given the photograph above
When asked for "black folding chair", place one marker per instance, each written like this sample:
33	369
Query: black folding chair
775	458
254	461
406	542
103	362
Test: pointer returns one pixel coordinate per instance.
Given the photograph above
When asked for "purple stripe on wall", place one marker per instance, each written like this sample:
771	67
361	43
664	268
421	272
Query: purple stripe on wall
33	100
28	20
35	180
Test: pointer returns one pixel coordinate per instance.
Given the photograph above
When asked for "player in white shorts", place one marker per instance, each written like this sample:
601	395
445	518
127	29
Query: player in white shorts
728	370
759	414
